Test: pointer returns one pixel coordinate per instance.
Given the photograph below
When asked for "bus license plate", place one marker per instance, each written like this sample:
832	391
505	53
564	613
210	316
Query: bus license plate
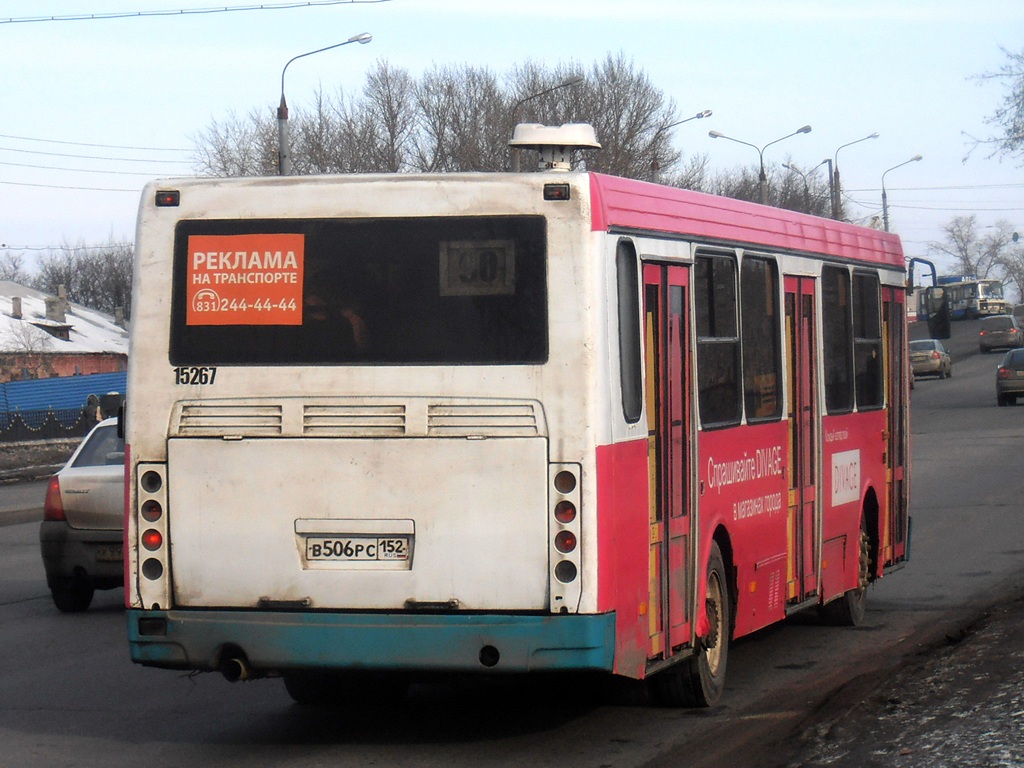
357	548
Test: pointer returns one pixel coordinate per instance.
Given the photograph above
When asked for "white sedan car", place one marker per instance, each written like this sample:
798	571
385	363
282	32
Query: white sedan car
83	519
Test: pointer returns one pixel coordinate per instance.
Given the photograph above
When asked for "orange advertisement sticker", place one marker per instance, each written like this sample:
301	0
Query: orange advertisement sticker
245	279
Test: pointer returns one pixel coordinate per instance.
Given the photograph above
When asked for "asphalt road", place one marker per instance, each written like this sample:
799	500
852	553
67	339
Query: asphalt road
959	700
69	696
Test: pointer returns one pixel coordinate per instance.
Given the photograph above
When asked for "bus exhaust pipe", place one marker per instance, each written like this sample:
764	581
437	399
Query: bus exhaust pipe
235	670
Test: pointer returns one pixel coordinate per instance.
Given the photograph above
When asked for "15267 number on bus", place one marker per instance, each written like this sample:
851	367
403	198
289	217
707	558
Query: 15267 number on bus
194	374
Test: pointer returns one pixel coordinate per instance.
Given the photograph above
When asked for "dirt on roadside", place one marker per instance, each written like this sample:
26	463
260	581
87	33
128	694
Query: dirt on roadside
35	460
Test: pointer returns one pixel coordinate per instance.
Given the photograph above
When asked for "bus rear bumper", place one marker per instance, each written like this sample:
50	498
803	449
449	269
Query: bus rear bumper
272	641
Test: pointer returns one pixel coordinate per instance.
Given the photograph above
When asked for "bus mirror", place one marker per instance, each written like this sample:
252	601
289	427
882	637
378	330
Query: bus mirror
938	313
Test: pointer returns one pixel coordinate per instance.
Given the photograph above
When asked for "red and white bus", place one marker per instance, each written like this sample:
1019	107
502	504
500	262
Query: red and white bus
384	425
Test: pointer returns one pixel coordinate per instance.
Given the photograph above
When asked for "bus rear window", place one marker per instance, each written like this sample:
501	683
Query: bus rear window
466	290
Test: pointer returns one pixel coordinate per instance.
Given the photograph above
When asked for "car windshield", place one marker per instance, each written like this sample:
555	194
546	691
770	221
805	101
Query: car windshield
922	346
1014	359
998	323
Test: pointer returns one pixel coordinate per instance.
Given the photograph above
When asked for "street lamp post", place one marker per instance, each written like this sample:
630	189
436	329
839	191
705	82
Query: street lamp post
835	187
762	179
802	175
284	158
885	201
654	142
574	80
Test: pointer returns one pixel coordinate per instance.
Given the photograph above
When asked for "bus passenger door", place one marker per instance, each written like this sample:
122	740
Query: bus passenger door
668	422
802	532
894	545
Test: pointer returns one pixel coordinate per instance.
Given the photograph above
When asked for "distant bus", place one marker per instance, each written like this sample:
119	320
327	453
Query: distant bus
969	298
389	425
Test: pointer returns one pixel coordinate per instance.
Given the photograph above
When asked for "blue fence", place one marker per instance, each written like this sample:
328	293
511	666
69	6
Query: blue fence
60	392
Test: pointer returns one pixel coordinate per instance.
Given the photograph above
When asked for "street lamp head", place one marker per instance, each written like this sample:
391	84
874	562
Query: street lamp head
915	158
703	113
362	39
716	135
805	129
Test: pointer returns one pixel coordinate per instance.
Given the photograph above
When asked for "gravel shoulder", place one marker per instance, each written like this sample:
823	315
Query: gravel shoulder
957	702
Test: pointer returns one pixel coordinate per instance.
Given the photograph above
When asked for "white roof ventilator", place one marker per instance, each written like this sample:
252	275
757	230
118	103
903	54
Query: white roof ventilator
555	142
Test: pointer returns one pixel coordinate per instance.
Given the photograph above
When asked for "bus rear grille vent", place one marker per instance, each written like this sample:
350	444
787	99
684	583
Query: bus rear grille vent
503	420
353	420
220	419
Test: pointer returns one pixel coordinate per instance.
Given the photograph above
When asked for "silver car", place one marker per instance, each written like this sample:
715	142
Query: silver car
928	357
83	519
1000	332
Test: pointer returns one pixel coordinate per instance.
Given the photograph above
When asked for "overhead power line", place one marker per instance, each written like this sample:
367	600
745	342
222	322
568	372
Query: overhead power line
99	146
184	11
76	170
90	157
66	186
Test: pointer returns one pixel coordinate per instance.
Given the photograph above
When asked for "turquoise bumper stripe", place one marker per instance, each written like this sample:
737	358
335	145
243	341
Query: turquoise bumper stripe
280	640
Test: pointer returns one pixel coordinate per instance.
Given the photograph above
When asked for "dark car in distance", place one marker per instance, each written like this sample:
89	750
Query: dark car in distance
83	520
1000	332
1010	378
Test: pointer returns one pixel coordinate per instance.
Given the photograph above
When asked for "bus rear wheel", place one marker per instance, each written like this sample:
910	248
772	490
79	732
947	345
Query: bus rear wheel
700	680
848	610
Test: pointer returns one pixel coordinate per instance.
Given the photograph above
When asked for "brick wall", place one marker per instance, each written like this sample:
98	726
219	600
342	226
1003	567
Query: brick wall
18	366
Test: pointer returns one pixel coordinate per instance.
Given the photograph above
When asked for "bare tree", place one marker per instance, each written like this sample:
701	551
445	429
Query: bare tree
26	339
12	267
631	118
463	121
972	252
784	188
388	99
99	278
240	146
457	119
1008	117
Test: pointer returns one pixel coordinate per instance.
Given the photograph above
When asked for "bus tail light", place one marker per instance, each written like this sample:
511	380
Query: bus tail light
151	532
564	526
565	541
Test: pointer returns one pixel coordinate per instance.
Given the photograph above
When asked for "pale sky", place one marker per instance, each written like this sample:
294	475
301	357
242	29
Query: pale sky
144	86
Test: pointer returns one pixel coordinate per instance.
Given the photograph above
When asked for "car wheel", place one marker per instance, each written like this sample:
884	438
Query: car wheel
74	596
1001	399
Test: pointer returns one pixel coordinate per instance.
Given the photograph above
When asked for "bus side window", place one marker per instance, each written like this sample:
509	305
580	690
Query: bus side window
867	340
759	284
837	339
630	365
718	343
